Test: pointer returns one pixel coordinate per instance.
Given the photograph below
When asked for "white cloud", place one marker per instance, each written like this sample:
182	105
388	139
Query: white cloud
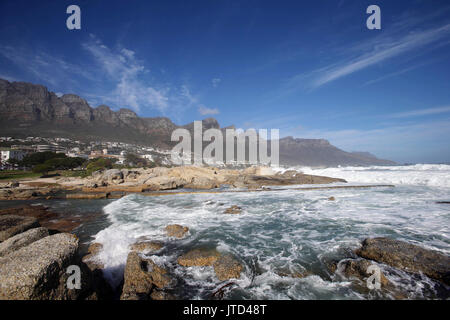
421	112
130	90
8	78
215	82
132	87
369	53
44	66
207	111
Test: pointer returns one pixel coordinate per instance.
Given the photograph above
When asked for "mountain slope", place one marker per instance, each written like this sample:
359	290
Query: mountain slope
31	110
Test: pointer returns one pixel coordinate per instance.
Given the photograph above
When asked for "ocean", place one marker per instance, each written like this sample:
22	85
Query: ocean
286	232
280	233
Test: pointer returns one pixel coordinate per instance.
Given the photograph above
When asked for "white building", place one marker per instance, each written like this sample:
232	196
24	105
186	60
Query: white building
11	154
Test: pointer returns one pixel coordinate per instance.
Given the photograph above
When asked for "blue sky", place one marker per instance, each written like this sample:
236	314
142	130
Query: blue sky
309	68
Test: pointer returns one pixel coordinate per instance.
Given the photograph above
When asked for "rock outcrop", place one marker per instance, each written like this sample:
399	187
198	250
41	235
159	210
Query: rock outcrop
200	257
227	267
358	268
233	210
407	257
146	246
10	225
176	231
141	278
38	271
22	240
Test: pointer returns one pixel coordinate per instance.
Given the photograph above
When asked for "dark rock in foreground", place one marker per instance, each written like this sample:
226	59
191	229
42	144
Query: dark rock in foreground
22	240
143	278
358	268
407	257
227	267
10	225
38	271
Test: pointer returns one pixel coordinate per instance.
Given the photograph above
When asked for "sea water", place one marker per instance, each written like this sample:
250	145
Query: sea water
285	232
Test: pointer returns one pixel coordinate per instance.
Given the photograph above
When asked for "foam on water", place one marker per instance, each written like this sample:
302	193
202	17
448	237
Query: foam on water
281	233
434	175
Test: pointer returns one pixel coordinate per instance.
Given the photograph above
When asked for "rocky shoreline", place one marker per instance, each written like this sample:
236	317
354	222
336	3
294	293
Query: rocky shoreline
115	183
34	262
38	245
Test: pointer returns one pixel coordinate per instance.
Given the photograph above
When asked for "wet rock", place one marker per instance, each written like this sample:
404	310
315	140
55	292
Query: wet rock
293	274
227	267
357	268
161	295
289	173
146	246
102	289
159	275
99	195
91	259
331	198
21	240
200	257
407	257
233	210
141	276
137	282
38	271
10	225
176	231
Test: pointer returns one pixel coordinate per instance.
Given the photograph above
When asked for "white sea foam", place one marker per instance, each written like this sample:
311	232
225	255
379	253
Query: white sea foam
435	175
284	231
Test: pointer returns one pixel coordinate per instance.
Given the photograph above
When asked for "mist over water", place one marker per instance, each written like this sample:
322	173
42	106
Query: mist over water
280	233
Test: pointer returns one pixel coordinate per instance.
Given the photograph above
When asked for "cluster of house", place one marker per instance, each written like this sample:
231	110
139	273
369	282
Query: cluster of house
90	150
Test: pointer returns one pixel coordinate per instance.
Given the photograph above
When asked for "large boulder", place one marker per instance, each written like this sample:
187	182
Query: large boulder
141	276
91	259
176	231
22	239
227	267
38	271
164	183
407	257
200	257
234	209
112	174
146	246
357	268
10	225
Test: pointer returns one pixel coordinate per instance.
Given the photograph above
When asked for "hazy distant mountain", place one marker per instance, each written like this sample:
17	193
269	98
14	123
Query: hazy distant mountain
31	110
319	152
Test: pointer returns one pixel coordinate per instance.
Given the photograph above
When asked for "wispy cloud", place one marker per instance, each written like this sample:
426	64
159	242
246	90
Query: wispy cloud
207	111
7	77
215	82
122	65
135	85
48	68
386	50
421	112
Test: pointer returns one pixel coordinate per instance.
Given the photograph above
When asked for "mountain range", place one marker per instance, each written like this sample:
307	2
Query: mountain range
32	110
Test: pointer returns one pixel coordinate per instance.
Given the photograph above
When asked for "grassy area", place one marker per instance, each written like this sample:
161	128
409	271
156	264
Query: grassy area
77	173
17	174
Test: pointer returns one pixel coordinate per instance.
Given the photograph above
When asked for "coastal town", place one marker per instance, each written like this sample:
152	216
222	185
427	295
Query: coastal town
13	150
